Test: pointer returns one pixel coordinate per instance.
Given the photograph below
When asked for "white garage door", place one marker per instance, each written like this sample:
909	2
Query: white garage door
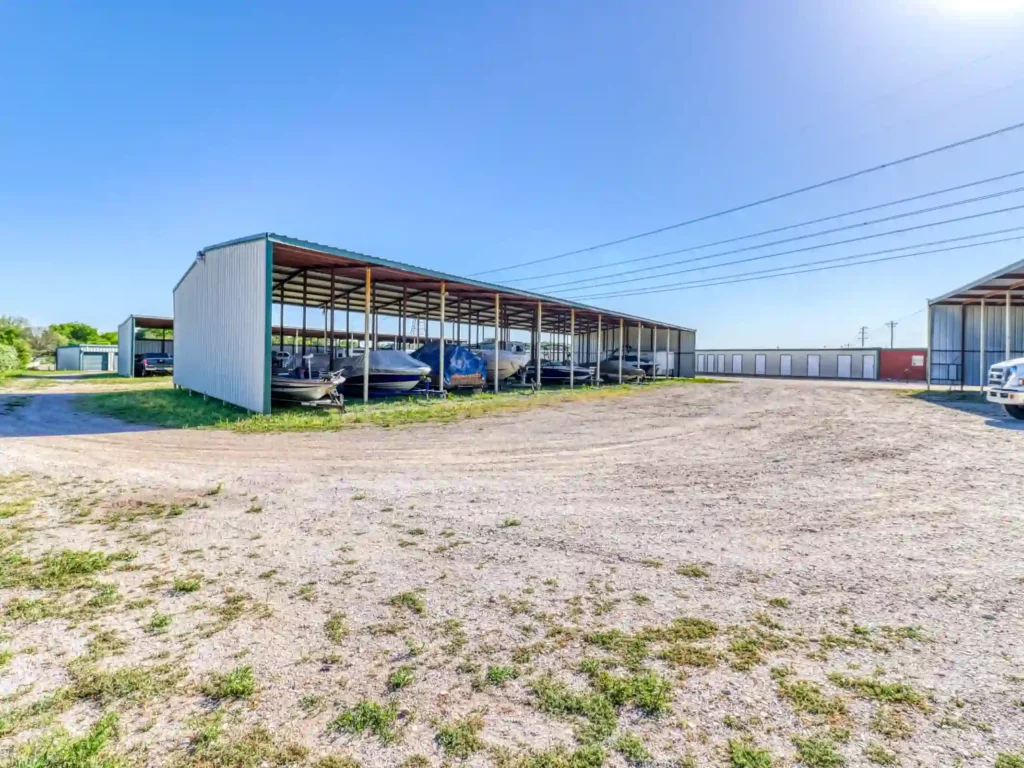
737	363
786	365
868	367
759	364
845	366
700	363
814	365
721	363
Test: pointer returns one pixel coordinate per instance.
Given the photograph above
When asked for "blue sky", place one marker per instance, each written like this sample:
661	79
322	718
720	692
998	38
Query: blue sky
471	135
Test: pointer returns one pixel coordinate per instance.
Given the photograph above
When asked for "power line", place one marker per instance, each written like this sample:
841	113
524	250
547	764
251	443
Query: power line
811	247
863	333
769	231
891	325
806	236
714	280
743	278
773	198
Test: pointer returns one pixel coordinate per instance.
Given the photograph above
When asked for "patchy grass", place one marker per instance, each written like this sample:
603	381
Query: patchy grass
871	688
744	754
693	571
61	750
166	407
461	739
685	655
588	756
336	627
410	600
211	748
632	749
400	678
805	696
239	683
879	755
818	752
779	602
186	584
136	683
500	675
891	723
368	716
510	522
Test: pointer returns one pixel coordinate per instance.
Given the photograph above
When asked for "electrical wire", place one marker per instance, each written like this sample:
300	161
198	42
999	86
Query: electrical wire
691	286
807	248
770	231
773	198
895	249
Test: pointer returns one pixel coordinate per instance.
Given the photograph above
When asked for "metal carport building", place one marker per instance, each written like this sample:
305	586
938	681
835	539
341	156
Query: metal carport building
225	303
128	346
990	308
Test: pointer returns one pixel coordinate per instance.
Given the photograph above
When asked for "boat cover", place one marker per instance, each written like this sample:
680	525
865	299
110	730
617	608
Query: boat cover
381	361
462	368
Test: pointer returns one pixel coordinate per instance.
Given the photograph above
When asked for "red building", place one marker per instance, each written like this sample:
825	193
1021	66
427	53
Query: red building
903	364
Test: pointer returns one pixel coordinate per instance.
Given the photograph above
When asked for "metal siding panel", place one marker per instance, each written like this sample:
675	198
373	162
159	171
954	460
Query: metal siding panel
947	357
220	319
68	358
149	346
125	352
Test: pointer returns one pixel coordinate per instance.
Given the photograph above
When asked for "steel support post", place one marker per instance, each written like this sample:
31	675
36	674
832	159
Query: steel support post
366	339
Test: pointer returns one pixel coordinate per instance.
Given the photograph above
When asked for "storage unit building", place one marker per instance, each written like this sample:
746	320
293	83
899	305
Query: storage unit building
990	308
87	357
860	363
224	303
128	346
903	364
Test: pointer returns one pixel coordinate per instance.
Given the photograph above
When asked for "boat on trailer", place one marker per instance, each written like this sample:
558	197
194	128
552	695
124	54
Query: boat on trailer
391	371
505	362
630	372
559	373
291	386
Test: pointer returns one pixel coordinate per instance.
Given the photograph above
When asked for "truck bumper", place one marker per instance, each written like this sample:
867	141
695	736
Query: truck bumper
1005	396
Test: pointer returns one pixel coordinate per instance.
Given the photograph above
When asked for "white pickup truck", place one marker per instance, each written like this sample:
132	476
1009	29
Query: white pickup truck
1006	386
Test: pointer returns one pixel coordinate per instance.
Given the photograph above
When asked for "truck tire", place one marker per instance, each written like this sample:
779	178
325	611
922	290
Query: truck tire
1017	411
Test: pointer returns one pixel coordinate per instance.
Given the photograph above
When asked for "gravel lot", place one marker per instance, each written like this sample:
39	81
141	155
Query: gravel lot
851	538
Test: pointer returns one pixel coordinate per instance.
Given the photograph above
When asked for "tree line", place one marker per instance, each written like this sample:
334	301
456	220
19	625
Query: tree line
21	343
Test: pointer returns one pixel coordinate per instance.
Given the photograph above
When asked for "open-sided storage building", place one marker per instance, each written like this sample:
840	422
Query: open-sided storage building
128	345
224	306
990	308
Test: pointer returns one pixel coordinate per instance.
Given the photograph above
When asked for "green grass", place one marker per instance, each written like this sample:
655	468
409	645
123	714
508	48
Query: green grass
806	696
368	716
693	571
461	739
124	683
409	600
870	688
632	749
744	754
589	756
254	748
879	755
336	627
159	623
61	750
239	683
400	678
510	522
167	407
499	675
187	584
818	753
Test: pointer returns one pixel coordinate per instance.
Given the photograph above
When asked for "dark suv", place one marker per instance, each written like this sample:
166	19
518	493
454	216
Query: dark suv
152	363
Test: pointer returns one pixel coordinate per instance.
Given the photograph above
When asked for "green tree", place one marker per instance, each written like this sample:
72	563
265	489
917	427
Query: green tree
109	337
8	358
77	333
14	333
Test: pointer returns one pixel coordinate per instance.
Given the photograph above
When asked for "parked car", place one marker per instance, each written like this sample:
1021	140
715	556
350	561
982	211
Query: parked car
152	363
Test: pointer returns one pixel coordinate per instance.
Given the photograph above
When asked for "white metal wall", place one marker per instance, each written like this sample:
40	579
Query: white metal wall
67	358
220	326
125	353
768	362
956	340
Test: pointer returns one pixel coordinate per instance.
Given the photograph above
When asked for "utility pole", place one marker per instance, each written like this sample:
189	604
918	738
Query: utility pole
863	333
891	325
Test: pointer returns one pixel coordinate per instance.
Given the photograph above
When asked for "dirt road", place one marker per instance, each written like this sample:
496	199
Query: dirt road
846	531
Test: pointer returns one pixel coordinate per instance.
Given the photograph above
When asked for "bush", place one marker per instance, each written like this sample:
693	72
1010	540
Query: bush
8	358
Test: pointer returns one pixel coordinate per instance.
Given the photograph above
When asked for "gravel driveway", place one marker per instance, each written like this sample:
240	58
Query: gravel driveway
855	556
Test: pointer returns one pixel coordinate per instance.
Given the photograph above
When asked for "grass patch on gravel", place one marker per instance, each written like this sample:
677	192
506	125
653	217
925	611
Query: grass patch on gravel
239	683
167	407
870	688
61	750
378	719
461	739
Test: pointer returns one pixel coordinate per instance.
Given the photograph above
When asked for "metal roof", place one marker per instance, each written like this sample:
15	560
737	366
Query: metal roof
993	288
312	274
150	321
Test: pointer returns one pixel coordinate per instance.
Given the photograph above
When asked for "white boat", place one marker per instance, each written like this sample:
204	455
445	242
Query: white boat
509	360
630	372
